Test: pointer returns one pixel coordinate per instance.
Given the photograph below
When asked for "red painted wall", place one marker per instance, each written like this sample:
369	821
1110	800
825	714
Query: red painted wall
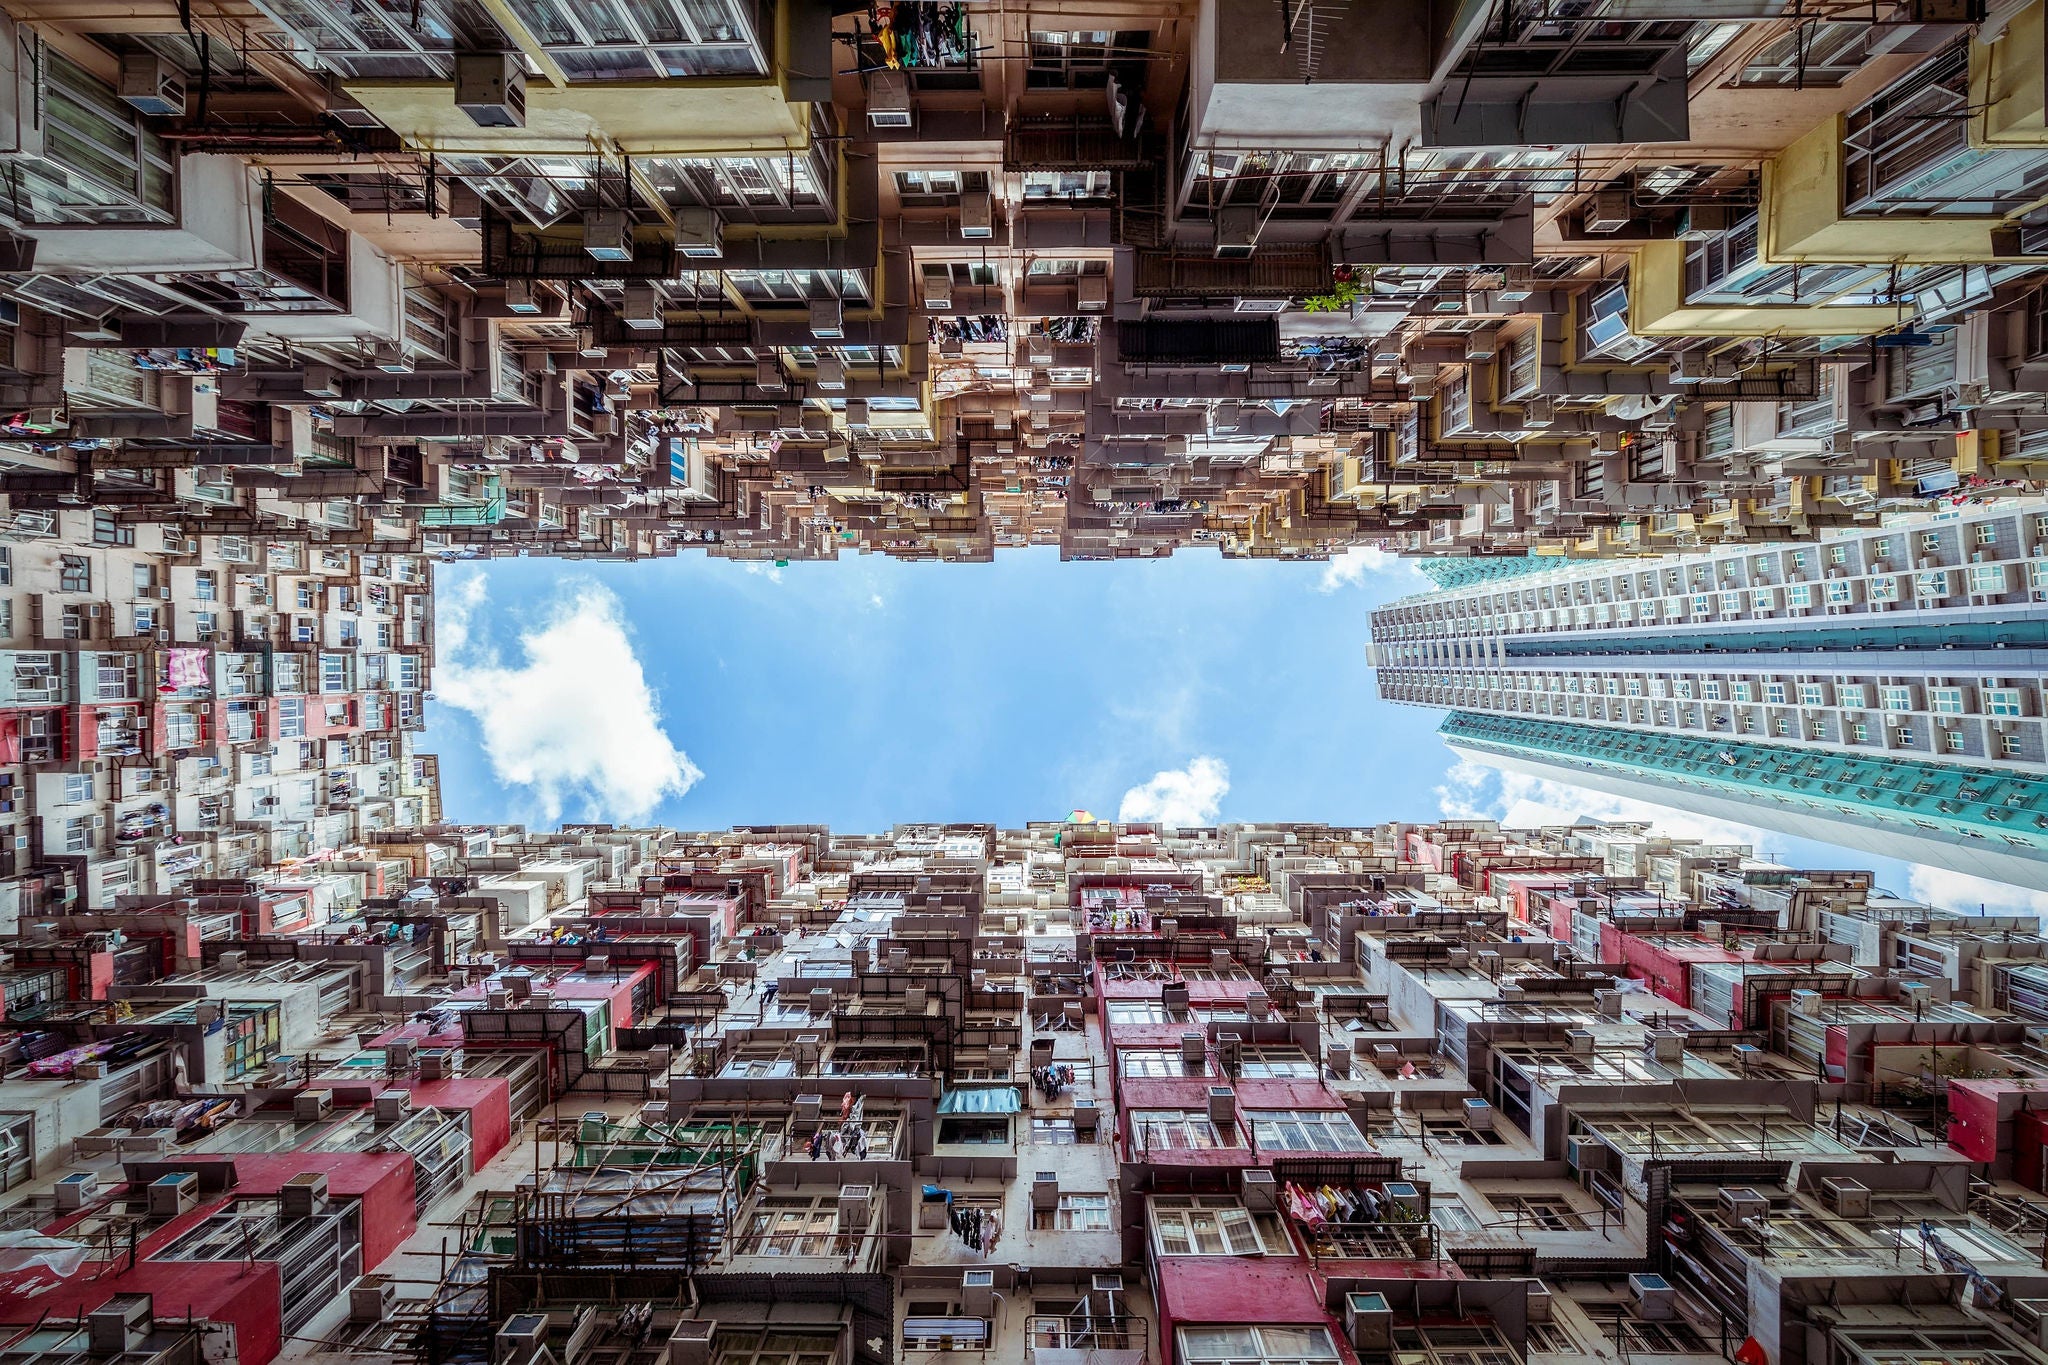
382	1181
489	1102
246	1296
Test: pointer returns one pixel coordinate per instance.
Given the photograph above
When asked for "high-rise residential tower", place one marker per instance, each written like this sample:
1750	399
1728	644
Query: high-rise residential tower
1882	689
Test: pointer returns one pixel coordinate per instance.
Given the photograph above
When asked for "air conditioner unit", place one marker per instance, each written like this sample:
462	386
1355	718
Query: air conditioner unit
889	100
1698	222
522	1337
1656	1300
1847	1198
640	305
1045	1190
1369	1322
977	1293
700	234
1263	305
1479	1116
690	1343
608	234
490	87
1579	1040
977	216
1586	1153
828	320
1222	1106
75	1191
855	1202
938	291
371	1299
1608	211
304	1194
1739	1203
831	372
173	1194
1092	294
1258	1189
1237	232
392	1105
152	85
768	376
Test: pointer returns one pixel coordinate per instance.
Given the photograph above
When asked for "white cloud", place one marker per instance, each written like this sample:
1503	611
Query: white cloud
1960	891
1351	568
576	721
1179	796
875	601
1474	791
761	568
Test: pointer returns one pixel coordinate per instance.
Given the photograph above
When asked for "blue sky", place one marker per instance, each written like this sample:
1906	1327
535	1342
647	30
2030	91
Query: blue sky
700	693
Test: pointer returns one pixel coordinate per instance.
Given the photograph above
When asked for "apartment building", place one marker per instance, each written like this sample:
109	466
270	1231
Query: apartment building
1882	688
1440	1093
788	280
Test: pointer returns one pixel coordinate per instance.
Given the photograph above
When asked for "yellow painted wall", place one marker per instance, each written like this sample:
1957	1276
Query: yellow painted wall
1657	307
651	118
2008	82
1802	216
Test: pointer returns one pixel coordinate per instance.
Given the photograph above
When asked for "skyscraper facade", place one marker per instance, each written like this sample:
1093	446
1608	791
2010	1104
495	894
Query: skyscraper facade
795	280
1881	688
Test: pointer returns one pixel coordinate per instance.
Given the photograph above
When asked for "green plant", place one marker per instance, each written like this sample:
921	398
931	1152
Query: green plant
1345	290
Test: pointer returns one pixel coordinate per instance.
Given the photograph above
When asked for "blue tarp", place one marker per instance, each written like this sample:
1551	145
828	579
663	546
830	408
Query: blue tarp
995	1099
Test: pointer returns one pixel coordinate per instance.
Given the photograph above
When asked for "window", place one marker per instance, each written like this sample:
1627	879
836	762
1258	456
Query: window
1552	1338
776	1346
1241	1345
1906	739
6	566
1538	1212
1897	698
78	834
106	530
1276	1063
1811	694
1082	58
205	586
1076	1213
1068	184
1174	1130
784	1225
1774	693
932	183
1811	56
1945	700
933	1327
1136	1012
1054	1131
74	574
1452	1216
2009	746
975	1130
1954	741
1305	1130
2002	701
1859	733
1214	1225
1156	1061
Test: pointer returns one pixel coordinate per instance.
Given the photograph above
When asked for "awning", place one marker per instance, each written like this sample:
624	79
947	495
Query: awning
996	1099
